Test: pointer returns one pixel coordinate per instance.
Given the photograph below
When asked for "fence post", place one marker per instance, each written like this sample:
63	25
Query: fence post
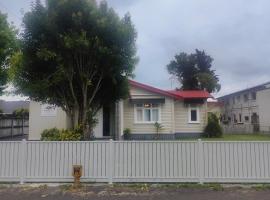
200	161
111	161
12	126
22	126
22	161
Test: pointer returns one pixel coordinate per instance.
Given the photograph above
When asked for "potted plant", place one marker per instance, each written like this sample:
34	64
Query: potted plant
127	134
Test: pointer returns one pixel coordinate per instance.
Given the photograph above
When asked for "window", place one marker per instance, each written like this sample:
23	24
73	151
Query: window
245	97
238	98
240	118
246	118
253	95
234	118
147	113
194	115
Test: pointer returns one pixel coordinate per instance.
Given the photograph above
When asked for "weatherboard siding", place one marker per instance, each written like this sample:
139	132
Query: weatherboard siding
182	124
140	93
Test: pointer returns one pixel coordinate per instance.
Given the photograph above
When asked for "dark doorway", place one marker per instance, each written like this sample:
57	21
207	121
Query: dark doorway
106	121
255	122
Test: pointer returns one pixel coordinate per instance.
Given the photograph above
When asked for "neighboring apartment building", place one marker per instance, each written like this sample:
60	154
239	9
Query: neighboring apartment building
181	114
247	110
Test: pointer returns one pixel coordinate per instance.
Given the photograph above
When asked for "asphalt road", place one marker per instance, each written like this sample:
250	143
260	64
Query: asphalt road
130	193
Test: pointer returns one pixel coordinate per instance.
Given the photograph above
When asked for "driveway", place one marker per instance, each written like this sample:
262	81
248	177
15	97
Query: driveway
133	192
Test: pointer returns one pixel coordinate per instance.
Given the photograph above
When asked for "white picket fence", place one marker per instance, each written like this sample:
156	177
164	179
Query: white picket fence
136	161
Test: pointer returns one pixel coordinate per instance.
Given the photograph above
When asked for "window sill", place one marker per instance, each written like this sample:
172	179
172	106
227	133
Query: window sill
146	122
194	122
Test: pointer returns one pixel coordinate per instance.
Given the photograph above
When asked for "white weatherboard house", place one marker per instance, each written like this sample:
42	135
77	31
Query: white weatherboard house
181	114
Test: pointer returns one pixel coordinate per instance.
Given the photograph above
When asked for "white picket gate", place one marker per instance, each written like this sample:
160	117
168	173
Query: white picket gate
136	161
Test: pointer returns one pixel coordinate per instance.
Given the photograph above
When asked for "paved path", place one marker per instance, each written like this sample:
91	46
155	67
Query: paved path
130	193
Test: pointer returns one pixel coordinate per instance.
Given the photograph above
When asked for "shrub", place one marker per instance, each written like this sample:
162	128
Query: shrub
52	134
158	128
70	135
213	128
127	134
55	134
20	112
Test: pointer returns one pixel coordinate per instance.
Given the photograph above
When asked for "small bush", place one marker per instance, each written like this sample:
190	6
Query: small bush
52	134
213	128
69	135
55	134
127	134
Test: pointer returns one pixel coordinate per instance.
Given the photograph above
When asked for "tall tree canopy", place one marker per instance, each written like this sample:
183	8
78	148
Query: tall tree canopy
8	45
194	71
76	54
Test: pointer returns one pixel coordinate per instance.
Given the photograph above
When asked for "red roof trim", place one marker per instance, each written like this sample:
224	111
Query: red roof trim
150	88
187	94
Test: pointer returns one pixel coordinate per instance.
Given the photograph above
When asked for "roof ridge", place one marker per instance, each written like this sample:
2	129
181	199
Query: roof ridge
172	93
243	90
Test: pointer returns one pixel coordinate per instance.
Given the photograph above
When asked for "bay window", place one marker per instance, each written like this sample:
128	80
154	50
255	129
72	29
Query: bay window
147	113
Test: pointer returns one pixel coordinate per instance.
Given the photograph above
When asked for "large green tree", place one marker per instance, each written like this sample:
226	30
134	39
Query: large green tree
76	54
8	44
194	71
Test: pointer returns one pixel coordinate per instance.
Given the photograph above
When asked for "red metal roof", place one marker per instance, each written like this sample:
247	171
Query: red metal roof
191	94
177	94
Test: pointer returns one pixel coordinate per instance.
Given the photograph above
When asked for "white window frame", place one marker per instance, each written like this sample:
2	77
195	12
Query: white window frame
146	122
190	108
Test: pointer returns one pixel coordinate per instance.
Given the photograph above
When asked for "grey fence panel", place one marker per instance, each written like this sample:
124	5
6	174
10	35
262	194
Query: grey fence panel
9	161
136	161
52	161
153	160
236	161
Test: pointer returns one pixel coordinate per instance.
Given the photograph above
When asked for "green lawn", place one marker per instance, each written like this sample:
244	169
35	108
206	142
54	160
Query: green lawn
240	137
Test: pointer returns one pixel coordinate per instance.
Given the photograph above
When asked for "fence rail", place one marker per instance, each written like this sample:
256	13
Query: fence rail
136	161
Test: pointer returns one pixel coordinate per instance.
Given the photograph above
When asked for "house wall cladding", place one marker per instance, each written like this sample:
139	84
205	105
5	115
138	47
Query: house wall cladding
136	161
181	118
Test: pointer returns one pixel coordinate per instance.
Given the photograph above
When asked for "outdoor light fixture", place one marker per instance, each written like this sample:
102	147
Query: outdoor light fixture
146	105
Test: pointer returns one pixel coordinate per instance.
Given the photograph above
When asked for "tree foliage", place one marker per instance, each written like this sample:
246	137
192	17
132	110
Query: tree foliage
76	54
194	71
8	44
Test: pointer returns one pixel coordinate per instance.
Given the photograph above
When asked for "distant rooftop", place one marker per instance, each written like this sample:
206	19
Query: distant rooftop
254	88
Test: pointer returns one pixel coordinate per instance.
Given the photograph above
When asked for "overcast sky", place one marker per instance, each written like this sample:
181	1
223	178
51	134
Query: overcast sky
236	33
